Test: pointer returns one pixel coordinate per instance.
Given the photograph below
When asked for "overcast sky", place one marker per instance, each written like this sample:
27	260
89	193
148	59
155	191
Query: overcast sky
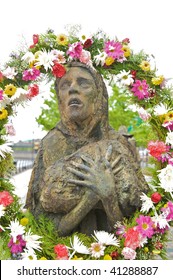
148	24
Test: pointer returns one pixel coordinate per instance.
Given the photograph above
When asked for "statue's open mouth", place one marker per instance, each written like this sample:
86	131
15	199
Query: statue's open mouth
74	102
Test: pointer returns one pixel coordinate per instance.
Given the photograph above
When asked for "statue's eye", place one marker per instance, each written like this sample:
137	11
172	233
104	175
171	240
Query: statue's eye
84	82
65	85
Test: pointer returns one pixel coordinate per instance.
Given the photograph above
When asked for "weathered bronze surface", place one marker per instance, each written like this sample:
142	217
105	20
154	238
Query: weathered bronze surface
86	175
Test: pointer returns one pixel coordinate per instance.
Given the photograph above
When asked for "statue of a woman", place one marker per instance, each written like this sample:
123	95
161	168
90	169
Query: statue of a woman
86	176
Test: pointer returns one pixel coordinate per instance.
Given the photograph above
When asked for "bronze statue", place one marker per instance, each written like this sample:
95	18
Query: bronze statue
86	176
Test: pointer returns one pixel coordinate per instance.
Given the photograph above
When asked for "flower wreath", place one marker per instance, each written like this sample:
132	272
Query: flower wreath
145	234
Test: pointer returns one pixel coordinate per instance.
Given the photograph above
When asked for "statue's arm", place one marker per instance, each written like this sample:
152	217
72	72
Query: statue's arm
74	217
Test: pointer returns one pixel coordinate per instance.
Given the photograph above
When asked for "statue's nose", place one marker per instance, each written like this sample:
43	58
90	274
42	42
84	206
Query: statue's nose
73	88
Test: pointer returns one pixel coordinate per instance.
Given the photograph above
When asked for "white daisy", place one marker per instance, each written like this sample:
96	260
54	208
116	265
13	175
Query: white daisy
169	138
161	220
5	149
100	58
45	59
124	78
105	238
28	255
147	203
9	73
32	242
166	178
161	109
29	57
97	250
78	247
16	229
2	210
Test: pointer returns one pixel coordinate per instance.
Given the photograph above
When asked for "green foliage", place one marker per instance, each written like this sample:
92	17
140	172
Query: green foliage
50	114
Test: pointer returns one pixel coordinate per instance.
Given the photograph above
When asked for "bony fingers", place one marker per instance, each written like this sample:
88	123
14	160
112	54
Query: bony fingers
87	160
77	173
116	170
81	166
109	152
116	161
78	183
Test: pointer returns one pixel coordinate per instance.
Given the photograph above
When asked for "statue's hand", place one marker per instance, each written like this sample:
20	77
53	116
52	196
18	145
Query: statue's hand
97	175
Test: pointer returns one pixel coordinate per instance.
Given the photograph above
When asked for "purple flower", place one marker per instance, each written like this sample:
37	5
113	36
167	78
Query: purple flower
17	247
114	49
145	226
140	89
31	74
75	50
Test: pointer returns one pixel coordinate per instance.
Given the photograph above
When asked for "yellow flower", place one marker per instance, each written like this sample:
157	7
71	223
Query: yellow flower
157	80
127	51
10	89
146	250
42	259
3	113
156	252
62	40
109	60
168	116
145	65
75	258
24	221
107	258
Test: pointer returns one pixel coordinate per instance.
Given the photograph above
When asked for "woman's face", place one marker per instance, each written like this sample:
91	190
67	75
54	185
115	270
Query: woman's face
77	91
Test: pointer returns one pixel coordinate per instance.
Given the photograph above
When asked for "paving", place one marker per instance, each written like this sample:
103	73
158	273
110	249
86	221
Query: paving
21	181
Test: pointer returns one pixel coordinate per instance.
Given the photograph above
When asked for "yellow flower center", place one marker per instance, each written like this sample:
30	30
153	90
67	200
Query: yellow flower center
145	226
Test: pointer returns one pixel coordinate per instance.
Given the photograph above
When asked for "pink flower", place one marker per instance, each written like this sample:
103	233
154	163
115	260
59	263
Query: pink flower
6	198
114	49
158	149
10	129
145	226
168	125
85	57
33	91
140	89
128	253
61	252
132	238
17	247
75	50
144	115
31	74
169	211
35	39
1	94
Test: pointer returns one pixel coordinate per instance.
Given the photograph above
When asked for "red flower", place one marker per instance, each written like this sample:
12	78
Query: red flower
33	91
1	76
157	148
156	197
114	255
5	198
35	38
133	73
126	41
132	239
158	245
58	70
61	252
87	43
